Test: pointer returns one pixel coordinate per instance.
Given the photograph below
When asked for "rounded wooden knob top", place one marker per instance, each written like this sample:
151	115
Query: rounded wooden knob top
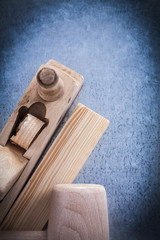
47	77
78	211
50	85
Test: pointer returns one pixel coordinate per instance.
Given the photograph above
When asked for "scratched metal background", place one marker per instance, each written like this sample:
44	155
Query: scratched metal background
115	45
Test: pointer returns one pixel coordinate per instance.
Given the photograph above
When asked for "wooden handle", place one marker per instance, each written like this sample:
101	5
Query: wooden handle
47	77
78	211
50	86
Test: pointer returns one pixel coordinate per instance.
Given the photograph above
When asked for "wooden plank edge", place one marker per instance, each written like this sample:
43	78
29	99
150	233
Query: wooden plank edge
23	235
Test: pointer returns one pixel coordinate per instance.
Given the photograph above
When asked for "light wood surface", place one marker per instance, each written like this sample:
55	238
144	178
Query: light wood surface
23	235
12	164
50	112
78	212
61	164
27	130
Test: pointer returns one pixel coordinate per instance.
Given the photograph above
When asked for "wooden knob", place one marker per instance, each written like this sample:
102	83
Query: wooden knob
78	211
50	86
47	77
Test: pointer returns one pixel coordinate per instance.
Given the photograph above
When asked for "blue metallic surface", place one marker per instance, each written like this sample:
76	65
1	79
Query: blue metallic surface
115	45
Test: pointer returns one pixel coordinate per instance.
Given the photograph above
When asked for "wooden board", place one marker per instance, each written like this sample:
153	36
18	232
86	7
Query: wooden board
24	235
61	164
50	112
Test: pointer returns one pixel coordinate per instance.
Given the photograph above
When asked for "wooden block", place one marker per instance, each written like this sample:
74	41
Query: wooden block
27	130
78	211
23	235
59	91
61	164
12	164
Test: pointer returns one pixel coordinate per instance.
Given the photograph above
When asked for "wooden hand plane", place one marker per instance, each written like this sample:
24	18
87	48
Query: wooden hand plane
32	124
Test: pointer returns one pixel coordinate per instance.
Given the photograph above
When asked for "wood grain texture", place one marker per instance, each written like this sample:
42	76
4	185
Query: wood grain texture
27	131
47	77
79	212
54	112
12	164
51	86
61	164
23	235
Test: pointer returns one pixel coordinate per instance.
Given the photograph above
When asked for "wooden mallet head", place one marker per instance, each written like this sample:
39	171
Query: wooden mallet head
77	212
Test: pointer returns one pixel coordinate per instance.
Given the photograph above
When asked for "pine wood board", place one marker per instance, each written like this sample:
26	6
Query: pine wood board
54	113
23	235
61	164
